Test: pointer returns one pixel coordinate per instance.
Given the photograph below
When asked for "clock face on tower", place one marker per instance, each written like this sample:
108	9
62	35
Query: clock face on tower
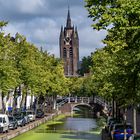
67	40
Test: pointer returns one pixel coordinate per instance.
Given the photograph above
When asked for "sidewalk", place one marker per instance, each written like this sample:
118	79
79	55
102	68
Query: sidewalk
130	119
104	135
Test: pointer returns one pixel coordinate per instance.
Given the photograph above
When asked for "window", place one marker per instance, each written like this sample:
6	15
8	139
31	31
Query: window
64	53
4	121
0	120
71	52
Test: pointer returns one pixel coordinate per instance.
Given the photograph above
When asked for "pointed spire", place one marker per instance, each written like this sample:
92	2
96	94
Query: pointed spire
61	28
76	29
61	32
76	32
68	25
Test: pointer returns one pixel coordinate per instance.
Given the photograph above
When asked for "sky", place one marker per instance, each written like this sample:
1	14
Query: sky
40	22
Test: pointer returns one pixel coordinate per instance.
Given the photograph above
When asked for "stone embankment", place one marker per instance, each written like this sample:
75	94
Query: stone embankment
13	133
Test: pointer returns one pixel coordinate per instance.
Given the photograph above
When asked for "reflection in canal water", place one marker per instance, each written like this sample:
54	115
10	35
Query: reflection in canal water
78	127
79	124
81	121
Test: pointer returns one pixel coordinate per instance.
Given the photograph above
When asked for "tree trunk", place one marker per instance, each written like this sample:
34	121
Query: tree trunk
93	96
75	99
49	103
54	101
0	102
36	104
3	105
22	100
69	98
54	104
43	107
14	101
134	120
7	102
116	111
119	115
31	105
125	137
25	101
19	97
113	108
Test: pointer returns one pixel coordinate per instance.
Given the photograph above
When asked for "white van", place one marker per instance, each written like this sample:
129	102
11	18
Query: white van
4	123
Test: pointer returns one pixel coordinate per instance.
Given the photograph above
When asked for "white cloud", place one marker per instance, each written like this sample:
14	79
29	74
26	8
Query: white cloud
30	6
23	6
91	38
40	22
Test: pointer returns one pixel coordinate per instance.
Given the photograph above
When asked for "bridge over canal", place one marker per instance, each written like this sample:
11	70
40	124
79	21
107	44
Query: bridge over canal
68	107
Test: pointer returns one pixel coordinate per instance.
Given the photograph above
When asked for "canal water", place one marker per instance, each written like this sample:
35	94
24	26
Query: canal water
81	126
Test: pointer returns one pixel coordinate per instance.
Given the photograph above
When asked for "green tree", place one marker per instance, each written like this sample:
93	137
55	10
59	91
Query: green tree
122	18
85	65
9	76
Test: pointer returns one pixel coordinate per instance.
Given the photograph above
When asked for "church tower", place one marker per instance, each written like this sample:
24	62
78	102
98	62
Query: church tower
69	47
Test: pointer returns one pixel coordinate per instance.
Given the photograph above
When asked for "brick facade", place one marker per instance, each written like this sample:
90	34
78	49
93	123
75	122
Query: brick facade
69	48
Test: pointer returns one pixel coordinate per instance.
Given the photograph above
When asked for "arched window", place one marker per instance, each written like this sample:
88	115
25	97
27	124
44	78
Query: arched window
64	53
71	52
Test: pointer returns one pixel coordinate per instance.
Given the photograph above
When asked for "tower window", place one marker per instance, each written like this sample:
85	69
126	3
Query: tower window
71	52
64	53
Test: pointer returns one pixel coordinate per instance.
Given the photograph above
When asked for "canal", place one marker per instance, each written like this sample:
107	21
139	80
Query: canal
81	126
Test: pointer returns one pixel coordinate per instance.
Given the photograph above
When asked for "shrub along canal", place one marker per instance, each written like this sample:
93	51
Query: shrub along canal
81	126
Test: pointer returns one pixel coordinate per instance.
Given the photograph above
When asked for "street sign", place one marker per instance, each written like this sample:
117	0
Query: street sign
9	108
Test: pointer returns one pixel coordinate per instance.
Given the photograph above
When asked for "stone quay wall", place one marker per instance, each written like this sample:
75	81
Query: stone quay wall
13	133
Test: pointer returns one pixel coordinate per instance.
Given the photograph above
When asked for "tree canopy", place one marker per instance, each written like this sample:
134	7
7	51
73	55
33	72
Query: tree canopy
23	63
116	71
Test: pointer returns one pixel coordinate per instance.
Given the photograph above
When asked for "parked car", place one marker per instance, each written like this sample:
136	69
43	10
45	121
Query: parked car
109	121
112	123
117	132
39	113
4	123
31	115
20	119
27	119
134	137
13	124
